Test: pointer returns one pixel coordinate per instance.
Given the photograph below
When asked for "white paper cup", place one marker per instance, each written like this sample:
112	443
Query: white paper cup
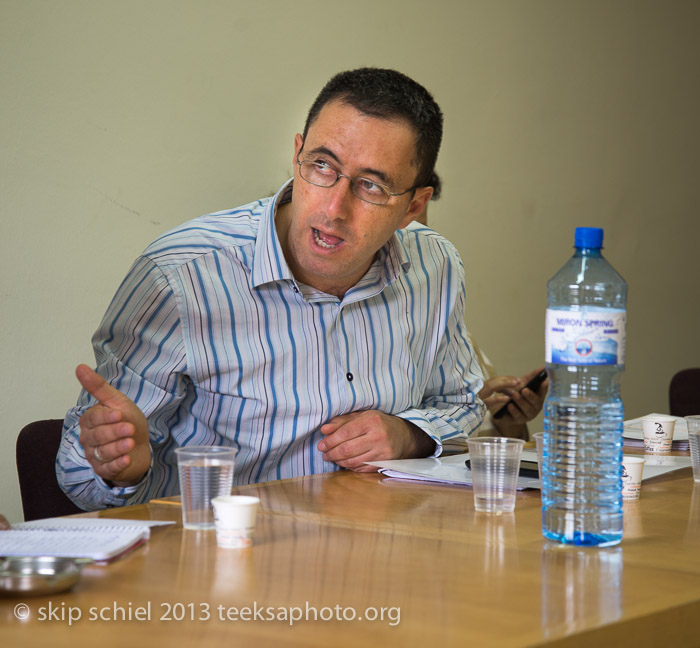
235	520
632	470
658	433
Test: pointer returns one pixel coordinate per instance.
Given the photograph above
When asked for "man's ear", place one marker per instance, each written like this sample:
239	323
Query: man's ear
418	203
298	144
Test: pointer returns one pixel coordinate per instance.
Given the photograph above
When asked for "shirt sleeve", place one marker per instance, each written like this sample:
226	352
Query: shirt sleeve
139	350
451	409
487	427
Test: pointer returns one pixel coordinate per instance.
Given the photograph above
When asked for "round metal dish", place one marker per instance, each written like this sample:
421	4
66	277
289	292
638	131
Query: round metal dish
37	575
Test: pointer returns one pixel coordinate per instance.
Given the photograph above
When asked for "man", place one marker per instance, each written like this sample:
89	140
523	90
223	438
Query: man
312	331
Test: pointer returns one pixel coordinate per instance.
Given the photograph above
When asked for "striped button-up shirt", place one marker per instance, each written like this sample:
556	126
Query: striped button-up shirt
212	337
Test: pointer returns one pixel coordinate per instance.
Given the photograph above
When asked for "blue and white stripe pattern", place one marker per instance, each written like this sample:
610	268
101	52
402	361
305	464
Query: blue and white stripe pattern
218	345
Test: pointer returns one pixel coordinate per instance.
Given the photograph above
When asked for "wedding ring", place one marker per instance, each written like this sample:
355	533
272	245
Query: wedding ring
97	455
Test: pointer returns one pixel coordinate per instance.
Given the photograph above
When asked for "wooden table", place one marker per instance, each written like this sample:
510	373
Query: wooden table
344	544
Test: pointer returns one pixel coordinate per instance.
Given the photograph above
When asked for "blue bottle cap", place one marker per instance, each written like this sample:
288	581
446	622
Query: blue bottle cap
588	237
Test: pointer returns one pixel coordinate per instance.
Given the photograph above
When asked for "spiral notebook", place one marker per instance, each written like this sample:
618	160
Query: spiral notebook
98	539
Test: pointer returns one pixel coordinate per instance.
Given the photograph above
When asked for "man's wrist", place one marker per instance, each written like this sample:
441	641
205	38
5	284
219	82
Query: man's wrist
422	444
123	484
514	430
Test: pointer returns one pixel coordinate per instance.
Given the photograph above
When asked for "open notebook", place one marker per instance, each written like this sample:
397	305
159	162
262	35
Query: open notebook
98	539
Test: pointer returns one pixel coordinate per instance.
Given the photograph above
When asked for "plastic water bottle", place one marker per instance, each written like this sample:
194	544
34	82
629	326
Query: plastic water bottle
583	413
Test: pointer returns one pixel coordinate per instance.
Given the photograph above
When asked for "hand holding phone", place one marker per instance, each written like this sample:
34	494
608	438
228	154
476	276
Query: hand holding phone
533	385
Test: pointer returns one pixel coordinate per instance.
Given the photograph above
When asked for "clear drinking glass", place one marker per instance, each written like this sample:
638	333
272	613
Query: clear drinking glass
495	464
694	441
205	472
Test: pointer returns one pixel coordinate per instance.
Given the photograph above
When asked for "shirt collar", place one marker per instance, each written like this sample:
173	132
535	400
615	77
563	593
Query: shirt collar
395	253
269	264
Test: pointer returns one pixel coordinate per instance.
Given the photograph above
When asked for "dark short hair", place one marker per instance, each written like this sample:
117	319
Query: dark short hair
389	94
436	183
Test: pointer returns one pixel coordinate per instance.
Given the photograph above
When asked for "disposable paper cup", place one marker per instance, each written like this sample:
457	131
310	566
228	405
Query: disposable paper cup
495	463
205	472
632	470
235	520
658	433
694	440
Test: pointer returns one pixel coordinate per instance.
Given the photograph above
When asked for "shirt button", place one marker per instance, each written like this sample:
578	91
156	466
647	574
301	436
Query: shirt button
296	290
349	376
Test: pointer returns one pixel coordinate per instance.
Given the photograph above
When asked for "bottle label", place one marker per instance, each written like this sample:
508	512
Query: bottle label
590	337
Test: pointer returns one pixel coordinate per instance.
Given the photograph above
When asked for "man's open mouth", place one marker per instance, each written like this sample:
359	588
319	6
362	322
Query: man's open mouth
327	241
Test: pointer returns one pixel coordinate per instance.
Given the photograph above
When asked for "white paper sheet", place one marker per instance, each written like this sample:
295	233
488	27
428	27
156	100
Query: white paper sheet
447	470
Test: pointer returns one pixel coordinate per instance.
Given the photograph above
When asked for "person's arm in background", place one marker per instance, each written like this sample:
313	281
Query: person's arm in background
4	524
525	406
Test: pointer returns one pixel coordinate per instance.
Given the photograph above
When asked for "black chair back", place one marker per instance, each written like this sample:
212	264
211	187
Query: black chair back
684	393
37	446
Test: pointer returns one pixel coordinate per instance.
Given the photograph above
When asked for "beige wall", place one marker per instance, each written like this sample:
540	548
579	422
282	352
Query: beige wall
122	118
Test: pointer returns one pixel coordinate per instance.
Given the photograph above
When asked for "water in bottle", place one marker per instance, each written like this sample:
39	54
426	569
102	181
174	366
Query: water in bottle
583	413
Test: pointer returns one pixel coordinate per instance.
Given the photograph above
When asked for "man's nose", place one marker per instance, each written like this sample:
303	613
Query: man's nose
339	198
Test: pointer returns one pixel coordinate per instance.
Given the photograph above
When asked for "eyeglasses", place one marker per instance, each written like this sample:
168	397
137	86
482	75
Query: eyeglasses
323	174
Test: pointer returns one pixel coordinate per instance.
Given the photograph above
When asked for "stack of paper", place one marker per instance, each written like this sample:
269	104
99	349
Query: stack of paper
446	470
452	469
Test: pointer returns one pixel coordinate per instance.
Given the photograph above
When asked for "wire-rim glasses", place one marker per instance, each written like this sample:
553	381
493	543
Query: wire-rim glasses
322	174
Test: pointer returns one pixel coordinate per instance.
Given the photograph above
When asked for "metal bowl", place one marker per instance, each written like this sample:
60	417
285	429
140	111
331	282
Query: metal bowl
37	575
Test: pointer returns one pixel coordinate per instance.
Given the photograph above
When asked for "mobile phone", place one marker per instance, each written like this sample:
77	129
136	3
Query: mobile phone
533	385
527	468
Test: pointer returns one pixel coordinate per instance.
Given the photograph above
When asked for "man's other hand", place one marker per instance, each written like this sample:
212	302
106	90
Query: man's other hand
352	439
